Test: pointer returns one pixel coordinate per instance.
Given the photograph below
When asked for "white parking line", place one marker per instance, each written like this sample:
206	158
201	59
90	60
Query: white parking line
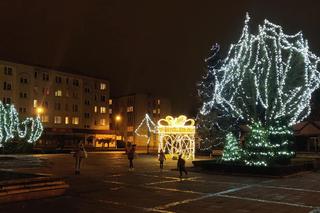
135	207
170	181
155	187
289	188
268	201
201	198
218	194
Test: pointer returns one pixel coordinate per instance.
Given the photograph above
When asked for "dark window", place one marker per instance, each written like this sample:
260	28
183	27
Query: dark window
45	76
75	82
58	79
75	108
6	86
7	70
57	106
6	100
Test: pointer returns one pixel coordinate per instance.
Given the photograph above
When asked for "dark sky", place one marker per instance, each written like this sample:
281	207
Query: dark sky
141	46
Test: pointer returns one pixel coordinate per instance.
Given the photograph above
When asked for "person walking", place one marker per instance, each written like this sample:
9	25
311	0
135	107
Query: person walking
162	157
131	153
79	154
181	164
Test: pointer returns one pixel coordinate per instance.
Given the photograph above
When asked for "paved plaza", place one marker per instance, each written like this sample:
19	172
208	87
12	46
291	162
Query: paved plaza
106	185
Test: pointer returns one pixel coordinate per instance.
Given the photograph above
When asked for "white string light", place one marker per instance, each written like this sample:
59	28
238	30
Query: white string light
272	70
151	128
10	126
266	79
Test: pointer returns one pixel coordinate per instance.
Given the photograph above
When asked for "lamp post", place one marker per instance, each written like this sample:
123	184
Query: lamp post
118	120
39	111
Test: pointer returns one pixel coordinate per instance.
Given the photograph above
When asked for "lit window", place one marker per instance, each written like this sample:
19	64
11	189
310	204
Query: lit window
75	120
58	93
35	103
130	109
154	111
110	111
103	86
44	118
130	128
158	101
66	120
57	119
95	109
103	109
130	138
110	101
158	111
103	122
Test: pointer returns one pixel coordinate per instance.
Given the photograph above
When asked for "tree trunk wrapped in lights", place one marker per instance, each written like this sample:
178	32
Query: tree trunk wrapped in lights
11	128
266	79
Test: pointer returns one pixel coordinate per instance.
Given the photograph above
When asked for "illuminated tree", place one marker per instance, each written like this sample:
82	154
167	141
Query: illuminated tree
150	127
267	78
211	127
11	128
232	150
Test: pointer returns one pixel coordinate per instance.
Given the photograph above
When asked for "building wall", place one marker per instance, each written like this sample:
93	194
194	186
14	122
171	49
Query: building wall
69	101
132	110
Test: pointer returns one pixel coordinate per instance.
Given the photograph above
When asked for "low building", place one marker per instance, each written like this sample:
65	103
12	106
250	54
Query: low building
307	136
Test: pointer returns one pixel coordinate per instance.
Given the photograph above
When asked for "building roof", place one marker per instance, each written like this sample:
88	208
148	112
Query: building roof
66	70
307	128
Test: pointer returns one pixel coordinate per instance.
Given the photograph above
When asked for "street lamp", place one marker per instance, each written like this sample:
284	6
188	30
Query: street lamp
39	111
117	119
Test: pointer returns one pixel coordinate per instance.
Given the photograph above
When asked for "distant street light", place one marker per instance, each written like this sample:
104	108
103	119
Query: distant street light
117	130
39	110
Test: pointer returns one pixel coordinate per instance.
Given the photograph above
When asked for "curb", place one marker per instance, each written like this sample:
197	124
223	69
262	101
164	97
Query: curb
31	188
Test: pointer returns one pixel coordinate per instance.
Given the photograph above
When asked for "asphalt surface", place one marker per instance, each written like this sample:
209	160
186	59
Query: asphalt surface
106	185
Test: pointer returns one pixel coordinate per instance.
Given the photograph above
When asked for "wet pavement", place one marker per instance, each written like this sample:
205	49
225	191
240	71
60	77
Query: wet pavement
106	185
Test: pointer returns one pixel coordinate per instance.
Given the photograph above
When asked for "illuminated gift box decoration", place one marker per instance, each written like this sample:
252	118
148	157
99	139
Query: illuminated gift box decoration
176	136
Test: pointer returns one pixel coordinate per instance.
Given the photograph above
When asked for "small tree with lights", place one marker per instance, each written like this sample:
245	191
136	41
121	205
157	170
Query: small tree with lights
232	150
265	82
11	129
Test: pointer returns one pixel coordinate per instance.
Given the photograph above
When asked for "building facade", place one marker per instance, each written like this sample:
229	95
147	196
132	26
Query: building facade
127	112
72	107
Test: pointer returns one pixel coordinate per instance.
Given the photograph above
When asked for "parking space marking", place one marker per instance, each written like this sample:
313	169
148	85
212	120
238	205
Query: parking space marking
289	188
201	197
135	207
224	194
175	190
268	201
171	181
155	187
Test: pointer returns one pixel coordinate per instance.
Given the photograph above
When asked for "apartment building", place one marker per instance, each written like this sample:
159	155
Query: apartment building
72	107
127	112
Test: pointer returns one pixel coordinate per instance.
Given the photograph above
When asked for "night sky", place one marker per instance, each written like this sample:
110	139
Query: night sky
141	46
